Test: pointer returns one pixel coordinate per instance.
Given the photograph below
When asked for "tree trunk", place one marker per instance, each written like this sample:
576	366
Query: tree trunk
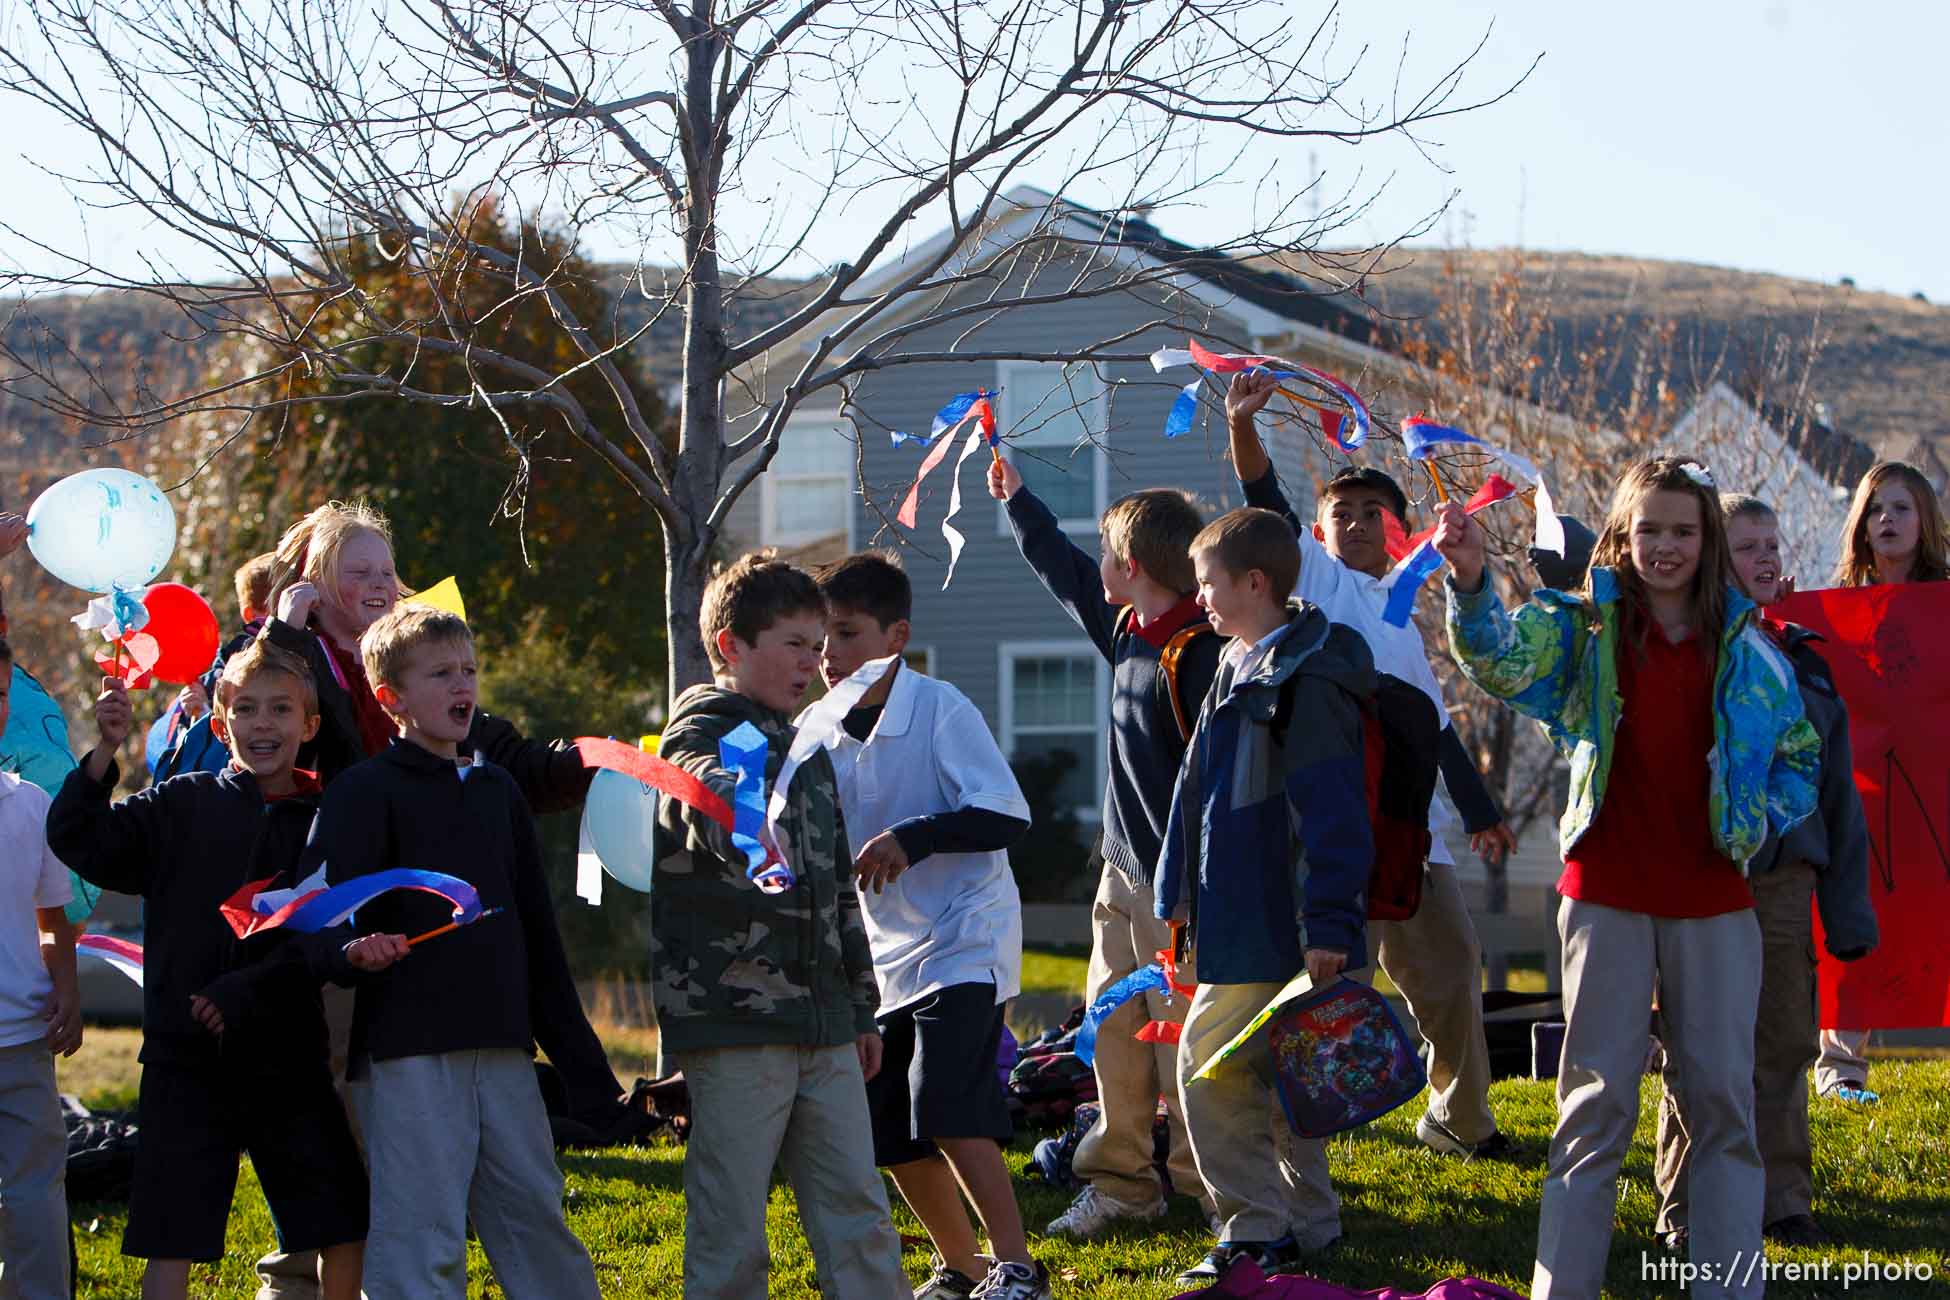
686	570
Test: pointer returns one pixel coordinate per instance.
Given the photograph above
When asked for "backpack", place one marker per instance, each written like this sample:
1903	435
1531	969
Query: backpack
1170	656
1400	731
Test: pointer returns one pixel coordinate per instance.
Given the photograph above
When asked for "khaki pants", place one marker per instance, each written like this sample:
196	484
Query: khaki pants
1264	1179
1842	1059
804	1108
1115	1155
1784	1048
1707	971
33	1177
1435	960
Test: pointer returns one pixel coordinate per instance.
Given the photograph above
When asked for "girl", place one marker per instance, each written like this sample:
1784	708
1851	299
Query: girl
1686	740
1894	533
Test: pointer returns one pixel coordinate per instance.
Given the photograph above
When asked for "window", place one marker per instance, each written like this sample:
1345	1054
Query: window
806	492
1049	410
1055	701
920	659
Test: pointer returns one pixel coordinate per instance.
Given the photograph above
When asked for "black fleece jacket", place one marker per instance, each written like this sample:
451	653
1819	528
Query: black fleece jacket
502	982
185	846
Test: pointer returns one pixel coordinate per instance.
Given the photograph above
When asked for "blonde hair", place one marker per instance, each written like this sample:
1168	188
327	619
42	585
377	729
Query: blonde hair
1931	563
1248	538
389	643
309	550
256	659
1614	547
1154	529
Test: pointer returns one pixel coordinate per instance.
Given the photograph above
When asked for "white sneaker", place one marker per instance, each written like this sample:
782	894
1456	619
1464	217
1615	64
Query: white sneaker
1008	1281
1092	1213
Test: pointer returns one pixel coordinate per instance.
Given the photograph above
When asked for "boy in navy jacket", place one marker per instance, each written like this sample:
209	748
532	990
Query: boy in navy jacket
1266	860
233	1035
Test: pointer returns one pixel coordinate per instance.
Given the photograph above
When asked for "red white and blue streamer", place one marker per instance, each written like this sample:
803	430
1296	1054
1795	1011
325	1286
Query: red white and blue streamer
311	906
1422	559
1333	423
743	751
117	954
976	408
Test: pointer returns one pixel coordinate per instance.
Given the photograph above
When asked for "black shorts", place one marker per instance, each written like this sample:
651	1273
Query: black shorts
196	1120
937	1075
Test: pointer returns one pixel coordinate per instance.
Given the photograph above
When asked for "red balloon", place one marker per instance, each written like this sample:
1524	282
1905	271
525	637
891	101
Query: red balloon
185	628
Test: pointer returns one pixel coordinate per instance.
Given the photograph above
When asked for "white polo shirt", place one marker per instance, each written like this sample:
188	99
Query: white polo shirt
954	918
30	877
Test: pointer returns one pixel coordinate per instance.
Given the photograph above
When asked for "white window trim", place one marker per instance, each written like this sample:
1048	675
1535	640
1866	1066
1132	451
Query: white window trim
1007	652
1100	462
927	655
771	482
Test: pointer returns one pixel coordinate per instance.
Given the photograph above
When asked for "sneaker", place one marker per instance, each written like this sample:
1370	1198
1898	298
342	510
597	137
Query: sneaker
1437	1137
1798	1230
945	1283
1678	1241
1093	1213
1855	1092
1011	1281
1282	1256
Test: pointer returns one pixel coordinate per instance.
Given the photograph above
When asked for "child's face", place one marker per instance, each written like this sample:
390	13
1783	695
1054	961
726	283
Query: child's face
367	588
433	701
1237	603
854	637
1756	546
1116	575
1666	541
1354	529
263	720
776	668
1893	520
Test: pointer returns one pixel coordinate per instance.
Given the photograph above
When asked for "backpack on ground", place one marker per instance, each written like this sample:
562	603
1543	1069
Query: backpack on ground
1170	656
1400	732
101	1153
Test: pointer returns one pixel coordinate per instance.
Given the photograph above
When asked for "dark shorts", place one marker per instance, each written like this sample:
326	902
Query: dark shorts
194	1123
937	1075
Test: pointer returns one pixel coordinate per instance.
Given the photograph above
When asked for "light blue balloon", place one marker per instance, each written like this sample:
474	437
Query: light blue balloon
621	815
102	528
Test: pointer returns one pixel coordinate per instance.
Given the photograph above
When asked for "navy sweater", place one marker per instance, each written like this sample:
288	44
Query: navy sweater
1145	745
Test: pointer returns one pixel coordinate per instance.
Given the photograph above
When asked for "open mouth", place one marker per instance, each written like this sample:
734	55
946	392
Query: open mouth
461	714
263	748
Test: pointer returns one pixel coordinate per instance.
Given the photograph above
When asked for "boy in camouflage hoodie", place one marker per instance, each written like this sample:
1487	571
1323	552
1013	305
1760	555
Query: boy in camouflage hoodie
766	1001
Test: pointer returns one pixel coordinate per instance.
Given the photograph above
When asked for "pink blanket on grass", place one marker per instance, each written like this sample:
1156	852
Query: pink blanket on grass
1244	1281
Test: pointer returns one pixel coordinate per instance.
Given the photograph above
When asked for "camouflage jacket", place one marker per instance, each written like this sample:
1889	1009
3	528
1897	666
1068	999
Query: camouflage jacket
735	967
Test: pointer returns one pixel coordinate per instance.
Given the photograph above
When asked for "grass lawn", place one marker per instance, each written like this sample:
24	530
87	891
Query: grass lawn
1411	1217
1063	971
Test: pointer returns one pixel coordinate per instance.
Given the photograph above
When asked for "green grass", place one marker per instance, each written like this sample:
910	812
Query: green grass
1063	971
1411	1217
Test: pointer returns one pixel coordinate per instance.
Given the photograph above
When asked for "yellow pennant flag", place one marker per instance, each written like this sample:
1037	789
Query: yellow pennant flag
444	594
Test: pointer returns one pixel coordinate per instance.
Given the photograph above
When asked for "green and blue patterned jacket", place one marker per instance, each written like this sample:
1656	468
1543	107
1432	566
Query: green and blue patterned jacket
1548	663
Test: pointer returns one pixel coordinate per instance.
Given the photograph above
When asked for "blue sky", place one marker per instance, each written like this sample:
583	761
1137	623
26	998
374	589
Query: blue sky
1777	135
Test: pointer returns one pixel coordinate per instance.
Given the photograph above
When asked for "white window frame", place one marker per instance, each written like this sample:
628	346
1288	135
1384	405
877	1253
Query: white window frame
1083	376
772	481
1007	653
926	654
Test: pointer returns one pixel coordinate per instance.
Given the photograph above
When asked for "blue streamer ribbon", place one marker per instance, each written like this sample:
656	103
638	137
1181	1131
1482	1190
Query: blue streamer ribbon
743	750
326	909
897	438
1414	571
1132	985
1421	437
1184	410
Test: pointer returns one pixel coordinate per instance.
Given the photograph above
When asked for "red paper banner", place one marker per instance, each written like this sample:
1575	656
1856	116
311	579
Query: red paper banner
1882	646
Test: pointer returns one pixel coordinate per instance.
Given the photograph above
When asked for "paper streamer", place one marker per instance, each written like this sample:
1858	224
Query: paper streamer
1422	436
657	773
948	530
589	868
948	420
119	954
1137	983
743	751
310	907
116	614
1422	559
1332	423
817	727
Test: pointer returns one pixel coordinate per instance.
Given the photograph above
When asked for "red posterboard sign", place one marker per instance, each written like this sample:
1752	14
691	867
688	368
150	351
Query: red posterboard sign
1889	650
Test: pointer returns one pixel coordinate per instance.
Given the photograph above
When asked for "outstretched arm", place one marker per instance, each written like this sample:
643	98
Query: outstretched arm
1063	567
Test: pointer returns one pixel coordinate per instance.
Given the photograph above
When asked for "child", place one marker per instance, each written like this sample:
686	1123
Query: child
1895	533
233	1037
1163	656
1825	861
923	785
1266	859
1434	957
1687	747
766	1001
441	1073
40	1014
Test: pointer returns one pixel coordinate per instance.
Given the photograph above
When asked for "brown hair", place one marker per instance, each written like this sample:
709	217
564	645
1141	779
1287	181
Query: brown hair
260	657
871	583
1931	563
389	643
1738	505
752	593
253	582
1614	547
1153	529
309	550
1249	538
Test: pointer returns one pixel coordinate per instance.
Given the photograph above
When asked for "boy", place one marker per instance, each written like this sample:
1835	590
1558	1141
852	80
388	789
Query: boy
766	1001
1825	858
923	784
1145	565
1266	861
40	1014
441	1075
233	1035
1434	957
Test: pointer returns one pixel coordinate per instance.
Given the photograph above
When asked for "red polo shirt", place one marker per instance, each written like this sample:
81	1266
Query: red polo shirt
1650	849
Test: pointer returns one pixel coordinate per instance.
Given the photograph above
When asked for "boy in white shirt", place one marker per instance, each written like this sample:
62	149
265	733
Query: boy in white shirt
929	797
40	1014
1434	957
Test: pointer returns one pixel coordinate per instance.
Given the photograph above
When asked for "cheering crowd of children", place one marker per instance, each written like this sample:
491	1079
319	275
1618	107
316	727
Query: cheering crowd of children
850	1022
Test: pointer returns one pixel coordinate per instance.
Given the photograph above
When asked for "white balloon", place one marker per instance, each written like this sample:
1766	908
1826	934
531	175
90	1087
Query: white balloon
620	815
102	528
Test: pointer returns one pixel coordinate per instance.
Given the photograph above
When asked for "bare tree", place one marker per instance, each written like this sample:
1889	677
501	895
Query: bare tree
726	139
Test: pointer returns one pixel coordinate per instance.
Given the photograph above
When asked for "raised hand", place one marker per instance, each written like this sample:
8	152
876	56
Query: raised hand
296	604
1459	540
1004	481
113	716
1248	394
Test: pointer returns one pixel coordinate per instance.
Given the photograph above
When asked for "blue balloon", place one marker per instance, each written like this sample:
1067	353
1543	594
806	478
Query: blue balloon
102	528
621	815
